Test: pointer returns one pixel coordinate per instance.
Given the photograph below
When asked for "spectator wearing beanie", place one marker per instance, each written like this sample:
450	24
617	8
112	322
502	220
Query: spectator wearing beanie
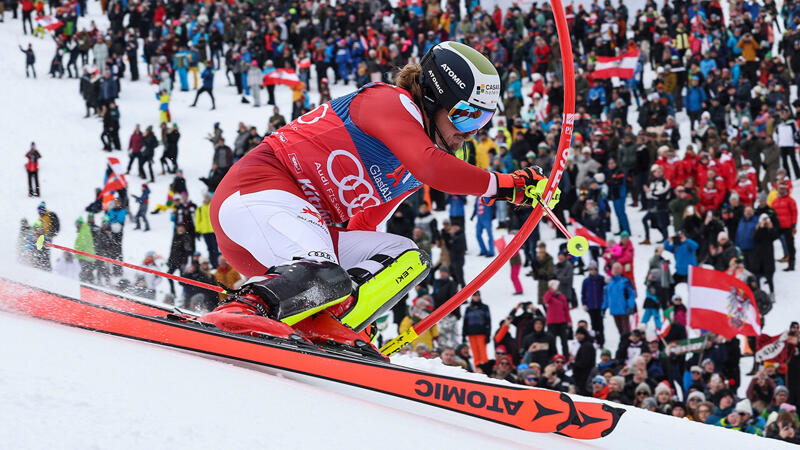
693	401
599	387
779	397
477	327
723	407
539	345
584	360
663	395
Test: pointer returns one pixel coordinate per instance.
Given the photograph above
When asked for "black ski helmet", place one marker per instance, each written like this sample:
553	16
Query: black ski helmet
453	74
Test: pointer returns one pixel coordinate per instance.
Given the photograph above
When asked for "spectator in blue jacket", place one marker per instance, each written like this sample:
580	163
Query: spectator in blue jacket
685	251
455	205
117	214
592	300
208	84
619	297
695	101
745	233
343	61
485	214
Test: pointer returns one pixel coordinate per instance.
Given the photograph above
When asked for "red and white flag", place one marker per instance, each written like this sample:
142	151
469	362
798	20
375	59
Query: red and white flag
616	66
115	179
581	230
282	76
773	348
49	22
721	303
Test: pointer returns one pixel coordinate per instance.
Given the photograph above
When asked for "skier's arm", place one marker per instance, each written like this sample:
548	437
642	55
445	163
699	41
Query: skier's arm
397	123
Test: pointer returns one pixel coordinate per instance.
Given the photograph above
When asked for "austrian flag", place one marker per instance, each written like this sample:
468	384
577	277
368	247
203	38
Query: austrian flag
49	22
282	76
721	303
616	66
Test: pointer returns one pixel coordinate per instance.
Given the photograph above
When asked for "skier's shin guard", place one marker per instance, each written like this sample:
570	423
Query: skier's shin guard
295	291
374	294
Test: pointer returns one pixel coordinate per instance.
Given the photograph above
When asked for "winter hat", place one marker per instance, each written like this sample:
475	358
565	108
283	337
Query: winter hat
601	380
706	361
559	356
762	196
780	389
696	394
593	265
42	206
605	351
744	406
649	402
662	388
625	233
582	331
696	369
644	387
600	178
525	373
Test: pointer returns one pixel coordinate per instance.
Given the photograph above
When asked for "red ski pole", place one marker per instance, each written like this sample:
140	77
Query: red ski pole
41	243
568	119
576	245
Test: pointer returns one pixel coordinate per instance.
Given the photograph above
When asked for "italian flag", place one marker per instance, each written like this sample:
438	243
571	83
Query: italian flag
581	230
282	76
722	304
616	66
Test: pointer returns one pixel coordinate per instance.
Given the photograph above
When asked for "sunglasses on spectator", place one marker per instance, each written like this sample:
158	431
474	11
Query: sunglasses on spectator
532	379
500	352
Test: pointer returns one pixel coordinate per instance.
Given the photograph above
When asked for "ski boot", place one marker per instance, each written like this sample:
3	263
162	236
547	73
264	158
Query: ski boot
286	295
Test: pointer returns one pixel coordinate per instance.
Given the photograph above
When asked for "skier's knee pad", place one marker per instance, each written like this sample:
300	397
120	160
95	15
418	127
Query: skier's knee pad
297	290
375	294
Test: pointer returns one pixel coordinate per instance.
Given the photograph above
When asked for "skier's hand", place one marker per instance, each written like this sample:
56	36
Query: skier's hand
523	187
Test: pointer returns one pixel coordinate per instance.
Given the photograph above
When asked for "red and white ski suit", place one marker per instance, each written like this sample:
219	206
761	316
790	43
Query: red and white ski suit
354	158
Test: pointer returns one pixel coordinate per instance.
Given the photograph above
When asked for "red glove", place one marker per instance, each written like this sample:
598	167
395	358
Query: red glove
511	186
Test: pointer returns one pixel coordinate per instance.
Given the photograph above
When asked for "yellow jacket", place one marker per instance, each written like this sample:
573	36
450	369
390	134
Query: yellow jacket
424	338
202	219
482	152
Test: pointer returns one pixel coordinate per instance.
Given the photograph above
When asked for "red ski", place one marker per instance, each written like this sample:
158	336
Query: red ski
529	409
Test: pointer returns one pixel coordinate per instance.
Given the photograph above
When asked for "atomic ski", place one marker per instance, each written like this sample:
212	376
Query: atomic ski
524	408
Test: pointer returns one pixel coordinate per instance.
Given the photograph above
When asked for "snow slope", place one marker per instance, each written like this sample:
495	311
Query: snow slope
104	392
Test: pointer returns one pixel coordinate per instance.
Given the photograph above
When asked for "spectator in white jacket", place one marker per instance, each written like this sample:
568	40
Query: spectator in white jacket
785	136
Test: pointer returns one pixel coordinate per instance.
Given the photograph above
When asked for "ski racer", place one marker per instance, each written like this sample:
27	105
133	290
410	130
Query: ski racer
353	159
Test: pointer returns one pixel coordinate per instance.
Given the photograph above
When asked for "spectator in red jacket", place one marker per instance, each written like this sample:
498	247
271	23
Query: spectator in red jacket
557	318
746	189
710	197
786	209
27	12
32	167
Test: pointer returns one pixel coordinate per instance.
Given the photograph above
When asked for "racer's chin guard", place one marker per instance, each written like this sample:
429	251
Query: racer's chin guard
375	294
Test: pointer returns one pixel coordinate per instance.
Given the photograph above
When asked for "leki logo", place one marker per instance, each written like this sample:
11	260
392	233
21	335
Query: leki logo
316	215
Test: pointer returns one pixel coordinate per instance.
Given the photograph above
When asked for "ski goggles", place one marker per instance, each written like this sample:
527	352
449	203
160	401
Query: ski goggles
468	118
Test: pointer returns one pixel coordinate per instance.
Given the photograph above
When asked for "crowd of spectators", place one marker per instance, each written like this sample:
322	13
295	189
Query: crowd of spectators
719	195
